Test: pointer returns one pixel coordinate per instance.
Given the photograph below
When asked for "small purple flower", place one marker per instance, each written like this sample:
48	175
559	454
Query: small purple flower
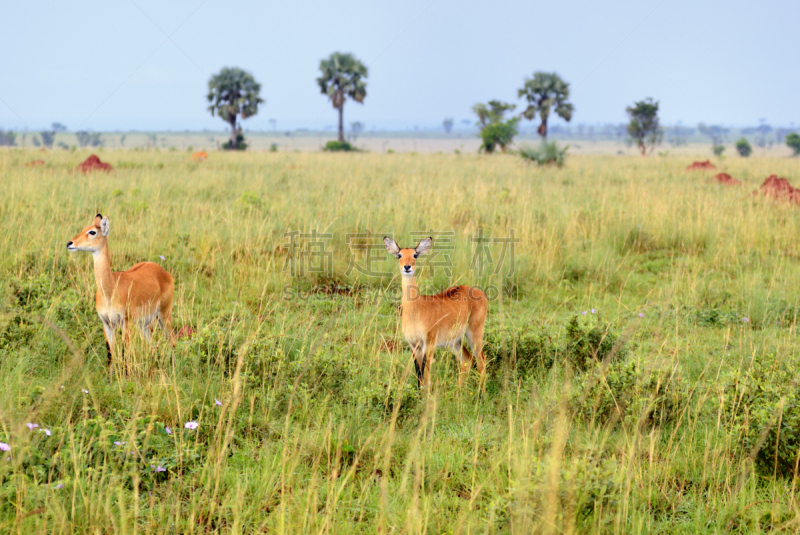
584	312
84	391
4	447
159	468
746	320
217	402
59	486
641	314
118	443
191	425
594	311
161	257
32	426
47	432
167	430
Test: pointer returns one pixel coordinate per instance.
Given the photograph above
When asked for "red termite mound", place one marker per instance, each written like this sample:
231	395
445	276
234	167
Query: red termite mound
93	163
699	166
779	188
727	180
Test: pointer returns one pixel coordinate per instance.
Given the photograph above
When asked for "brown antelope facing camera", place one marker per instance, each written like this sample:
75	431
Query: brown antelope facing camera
142	294
442	320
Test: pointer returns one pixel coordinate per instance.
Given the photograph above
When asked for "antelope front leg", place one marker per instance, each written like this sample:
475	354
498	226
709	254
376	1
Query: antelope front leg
109	332
427	363
418	353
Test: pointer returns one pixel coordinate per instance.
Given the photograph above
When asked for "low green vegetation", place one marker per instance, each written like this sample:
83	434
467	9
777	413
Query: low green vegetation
744	148
548	153
793	142
339	146
496	130
641	345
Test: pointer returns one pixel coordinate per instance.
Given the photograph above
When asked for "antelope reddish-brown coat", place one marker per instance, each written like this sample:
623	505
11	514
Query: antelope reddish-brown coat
442	320
142	294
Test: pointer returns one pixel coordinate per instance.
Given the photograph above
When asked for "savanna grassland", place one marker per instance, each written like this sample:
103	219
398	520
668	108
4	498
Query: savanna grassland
670	406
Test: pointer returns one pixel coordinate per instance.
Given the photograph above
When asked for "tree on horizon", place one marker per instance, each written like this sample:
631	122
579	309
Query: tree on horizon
234	92
546	92
343	76
496	131
644	128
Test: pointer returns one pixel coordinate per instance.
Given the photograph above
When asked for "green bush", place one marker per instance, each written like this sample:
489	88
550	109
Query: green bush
519	352
743	148
240	143
339	146
793	142
762	406
591	342
546	154
718	149
498	134
629	390
385	399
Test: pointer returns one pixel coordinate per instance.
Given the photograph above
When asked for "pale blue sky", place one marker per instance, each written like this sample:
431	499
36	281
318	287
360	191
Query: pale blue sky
108	65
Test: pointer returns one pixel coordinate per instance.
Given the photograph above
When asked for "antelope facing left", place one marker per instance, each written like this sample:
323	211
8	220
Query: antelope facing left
142	294
447	319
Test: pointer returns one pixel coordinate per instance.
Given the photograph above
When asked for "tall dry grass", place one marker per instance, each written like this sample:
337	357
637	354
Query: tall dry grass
320	427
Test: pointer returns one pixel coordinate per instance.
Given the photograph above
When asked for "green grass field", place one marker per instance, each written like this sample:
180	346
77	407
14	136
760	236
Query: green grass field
669	407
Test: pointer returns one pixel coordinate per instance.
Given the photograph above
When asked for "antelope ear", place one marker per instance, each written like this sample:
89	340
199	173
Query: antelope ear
97	219
391	246
424	246
105	226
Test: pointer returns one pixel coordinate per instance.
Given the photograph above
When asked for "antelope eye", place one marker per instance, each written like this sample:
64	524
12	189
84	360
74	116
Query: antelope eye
416	255
399	256
92	232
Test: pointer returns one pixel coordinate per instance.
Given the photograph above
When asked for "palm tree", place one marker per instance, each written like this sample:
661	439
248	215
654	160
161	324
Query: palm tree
342	76
233	92
543	91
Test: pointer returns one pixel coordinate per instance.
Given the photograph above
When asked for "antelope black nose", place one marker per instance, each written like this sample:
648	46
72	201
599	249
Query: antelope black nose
407	268
69	243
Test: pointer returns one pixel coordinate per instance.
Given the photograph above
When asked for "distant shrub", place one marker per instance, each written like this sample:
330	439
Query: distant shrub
744	148
793	142
547	154
339	146
762	406
496	131
498	134
628	389
7	139
718	149
240	143
589	343
273	147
